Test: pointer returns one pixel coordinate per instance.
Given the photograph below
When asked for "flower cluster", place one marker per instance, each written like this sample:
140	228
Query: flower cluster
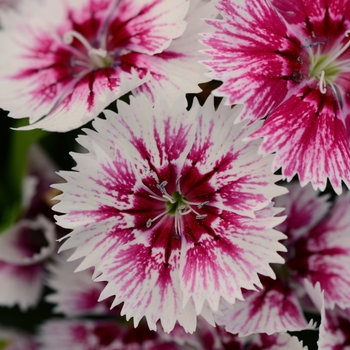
208	204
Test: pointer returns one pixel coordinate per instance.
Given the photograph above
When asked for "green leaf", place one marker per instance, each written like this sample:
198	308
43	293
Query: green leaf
13	171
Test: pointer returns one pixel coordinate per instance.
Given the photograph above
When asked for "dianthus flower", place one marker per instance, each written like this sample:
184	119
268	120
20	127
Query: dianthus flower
31	241
68	60
289	61
172	209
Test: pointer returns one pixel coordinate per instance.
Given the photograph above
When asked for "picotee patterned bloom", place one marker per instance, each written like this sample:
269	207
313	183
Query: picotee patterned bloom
289	61
172	209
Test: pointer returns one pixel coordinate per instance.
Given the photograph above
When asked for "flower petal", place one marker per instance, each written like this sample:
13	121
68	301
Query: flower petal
309	18
147	282
147	26
326	255
23	285
304	209
310	139
273	309
154	137
240	178
177	70
227	256
87	98
255	54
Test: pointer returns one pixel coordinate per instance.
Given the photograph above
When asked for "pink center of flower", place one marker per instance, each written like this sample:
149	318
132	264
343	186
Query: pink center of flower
176	205
326	67
95	58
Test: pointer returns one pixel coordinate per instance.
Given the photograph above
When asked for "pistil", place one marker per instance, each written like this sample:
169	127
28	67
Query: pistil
98	57
177	206
326	67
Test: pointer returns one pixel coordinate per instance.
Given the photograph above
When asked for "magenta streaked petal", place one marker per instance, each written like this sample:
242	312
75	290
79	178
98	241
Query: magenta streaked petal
147	26
310	139
270	310
147	282
304	208
112	183
87	99
103	205
177	69
317	20
255	55
335	324
334	329
227	256
324	255
156	141
240	178
20	285
33	67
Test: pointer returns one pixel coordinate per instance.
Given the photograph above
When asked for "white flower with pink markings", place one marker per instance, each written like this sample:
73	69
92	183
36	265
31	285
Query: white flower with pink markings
69	60
289	61
172	209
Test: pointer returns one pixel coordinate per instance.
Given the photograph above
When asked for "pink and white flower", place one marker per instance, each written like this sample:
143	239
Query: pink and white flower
23	249
31	241
321	254
70	65
289	61
273	309
172	209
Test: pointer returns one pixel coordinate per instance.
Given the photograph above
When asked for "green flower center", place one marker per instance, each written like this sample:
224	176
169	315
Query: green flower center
99	58
179	204
176	205
326	68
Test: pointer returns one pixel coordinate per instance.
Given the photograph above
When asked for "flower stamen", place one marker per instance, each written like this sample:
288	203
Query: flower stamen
326	68
323	85
149	221
201	205
69	36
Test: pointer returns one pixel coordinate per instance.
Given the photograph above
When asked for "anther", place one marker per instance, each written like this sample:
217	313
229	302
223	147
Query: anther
201	217
322	83
161	187
149	221
201	205
69	36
